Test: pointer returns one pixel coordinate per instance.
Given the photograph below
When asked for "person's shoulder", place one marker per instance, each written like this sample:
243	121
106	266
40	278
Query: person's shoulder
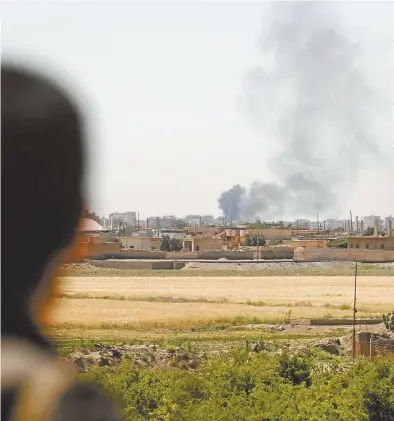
85	401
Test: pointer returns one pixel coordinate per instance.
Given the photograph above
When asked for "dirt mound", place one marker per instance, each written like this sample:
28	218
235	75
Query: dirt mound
141	355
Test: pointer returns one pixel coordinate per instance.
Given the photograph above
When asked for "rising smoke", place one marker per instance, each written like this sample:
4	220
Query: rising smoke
312	103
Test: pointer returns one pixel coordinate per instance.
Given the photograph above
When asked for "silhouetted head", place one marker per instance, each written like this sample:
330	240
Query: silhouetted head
41	177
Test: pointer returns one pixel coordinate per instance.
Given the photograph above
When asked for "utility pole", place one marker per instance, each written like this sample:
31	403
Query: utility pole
354	313
258	238
318	230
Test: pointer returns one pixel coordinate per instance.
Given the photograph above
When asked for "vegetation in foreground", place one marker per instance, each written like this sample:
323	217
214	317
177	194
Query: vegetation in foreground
239	385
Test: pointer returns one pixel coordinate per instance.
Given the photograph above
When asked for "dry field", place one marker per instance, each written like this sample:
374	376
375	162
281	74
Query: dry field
184	302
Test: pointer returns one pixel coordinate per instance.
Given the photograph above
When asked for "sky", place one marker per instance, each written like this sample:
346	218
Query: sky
159	85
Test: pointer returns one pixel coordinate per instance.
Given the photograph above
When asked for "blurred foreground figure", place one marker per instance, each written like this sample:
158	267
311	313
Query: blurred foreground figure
41	176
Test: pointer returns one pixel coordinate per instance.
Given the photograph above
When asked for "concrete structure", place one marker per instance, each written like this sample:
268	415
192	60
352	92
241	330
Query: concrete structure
128	219
234	238
201	243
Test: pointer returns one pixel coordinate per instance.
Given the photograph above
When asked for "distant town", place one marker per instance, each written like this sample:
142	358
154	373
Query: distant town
124	232
129	222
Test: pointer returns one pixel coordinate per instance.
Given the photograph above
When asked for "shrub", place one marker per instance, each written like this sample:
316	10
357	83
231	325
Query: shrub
388	320
340	243
295	369
243	386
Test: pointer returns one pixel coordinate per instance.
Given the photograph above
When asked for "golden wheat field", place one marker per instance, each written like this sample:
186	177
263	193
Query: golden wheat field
179	302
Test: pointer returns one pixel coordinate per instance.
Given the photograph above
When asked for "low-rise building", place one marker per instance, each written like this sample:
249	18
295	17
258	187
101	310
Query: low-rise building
201	243
374	242
204	231
318	242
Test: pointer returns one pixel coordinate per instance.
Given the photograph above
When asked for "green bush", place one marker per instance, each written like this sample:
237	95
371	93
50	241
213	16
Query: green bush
389	321
340	243
243	386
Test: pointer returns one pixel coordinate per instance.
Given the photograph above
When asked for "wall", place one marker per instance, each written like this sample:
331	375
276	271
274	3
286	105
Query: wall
276	253
111	252
359	255
140	243
84	250
181	255
210	231
133	264
207	243
309	243
272	233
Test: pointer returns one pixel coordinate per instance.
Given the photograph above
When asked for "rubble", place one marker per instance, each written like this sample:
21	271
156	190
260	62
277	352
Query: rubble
141	355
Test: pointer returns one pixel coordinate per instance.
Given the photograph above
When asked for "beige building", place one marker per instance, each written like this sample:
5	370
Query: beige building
374	242
271	233
201	243
205	231
309	243
371	243
140	243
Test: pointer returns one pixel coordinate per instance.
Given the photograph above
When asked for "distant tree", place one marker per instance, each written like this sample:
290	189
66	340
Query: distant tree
170	244
252	240
175	244
389	321
340	243
165	244
370	231
179	224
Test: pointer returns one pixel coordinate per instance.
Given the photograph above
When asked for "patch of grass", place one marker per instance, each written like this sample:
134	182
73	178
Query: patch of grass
195	324
145	298
279	270
342	306
220	340
264	304
345	306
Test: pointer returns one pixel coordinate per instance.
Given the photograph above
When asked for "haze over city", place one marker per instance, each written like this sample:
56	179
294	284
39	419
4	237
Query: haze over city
188	100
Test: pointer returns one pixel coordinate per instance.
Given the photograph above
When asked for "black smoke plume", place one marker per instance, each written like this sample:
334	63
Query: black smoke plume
312	103
229	203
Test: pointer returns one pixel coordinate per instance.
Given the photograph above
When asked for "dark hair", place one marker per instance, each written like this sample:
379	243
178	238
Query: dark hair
41	185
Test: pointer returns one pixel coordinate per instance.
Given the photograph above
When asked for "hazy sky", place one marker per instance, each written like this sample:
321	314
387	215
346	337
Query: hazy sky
162	81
